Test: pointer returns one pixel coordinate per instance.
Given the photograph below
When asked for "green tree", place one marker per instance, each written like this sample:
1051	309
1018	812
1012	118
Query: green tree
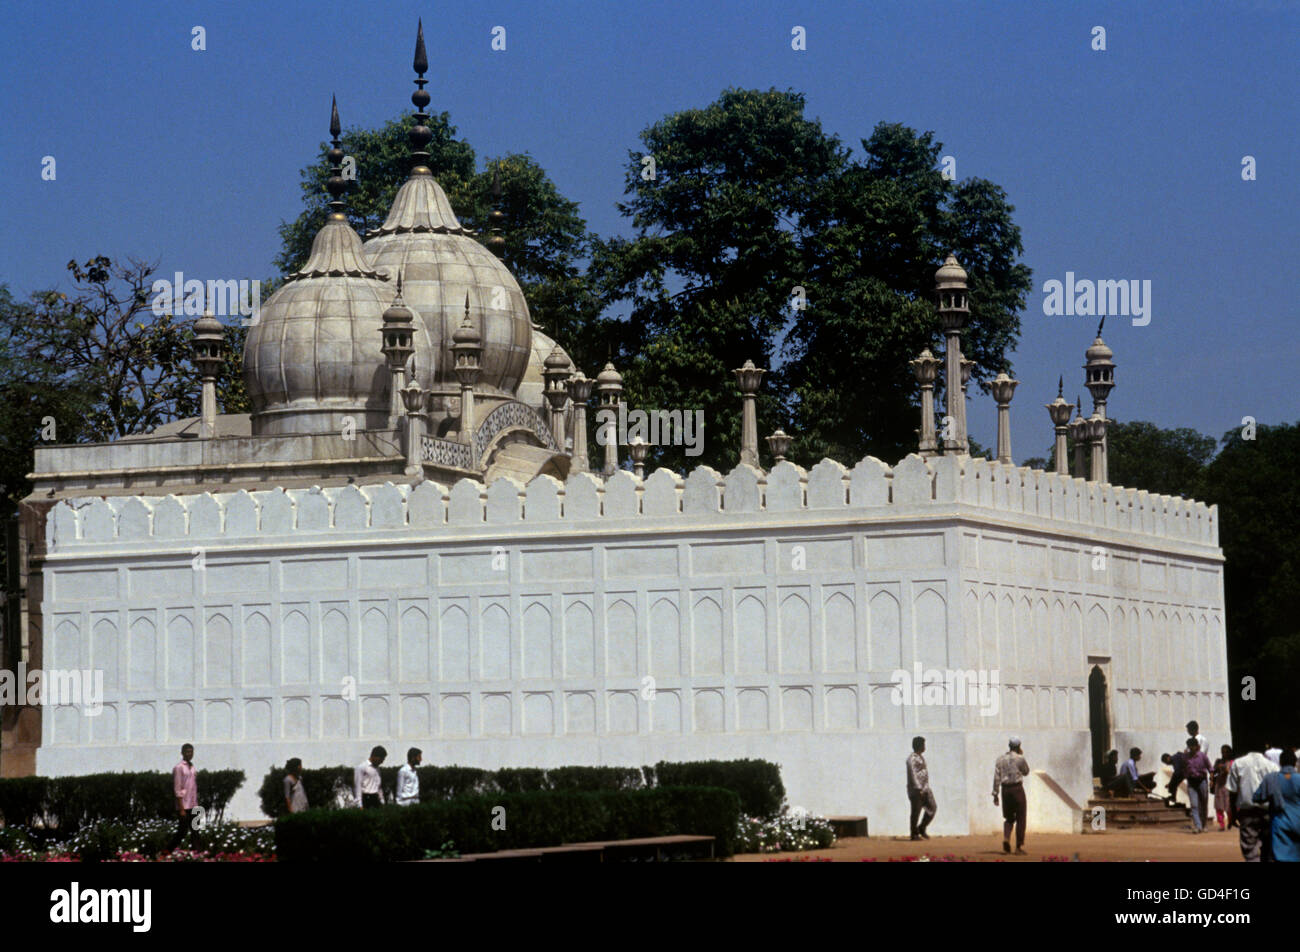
706	280
758	223
95	364
1142	455
1253	483
877	232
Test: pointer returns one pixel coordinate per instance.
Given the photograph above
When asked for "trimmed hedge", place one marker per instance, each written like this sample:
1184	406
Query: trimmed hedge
535	819
756	782
71	803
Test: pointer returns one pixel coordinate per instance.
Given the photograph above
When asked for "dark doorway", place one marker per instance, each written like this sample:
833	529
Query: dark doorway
1098	719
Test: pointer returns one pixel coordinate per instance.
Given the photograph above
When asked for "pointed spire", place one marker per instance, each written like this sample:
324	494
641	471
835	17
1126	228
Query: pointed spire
336	249
335	185
1100	326
421	61
496	242
420	134
1060	383
420	205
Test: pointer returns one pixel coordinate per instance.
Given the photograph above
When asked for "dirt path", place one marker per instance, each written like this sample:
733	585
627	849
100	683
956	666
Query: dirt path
1114	845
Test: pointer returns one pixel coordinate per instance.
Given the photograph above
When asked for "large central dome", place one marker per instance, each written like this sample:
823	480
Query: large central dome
440	263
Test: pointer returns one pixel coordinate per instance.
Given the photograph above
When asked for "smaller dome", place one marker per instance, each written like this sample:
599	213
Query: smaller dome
950	275
557	359
208	325
465	333
609	376
1099	351
398	314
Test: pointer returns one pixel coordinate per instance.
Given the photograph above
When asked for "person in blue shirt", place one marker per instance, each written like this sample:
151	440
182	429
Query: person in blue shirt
1281	791
1129	781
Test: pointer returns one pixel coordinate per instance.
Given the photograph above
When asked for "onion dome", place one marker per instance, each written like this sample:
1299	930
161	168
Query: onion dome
609	377
441	263
313	357
465	333
557	359
950	275
1098	352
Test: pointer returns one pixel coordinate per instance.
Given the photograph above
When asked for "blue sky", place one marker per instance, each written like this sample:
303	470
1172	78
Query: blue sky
1122	164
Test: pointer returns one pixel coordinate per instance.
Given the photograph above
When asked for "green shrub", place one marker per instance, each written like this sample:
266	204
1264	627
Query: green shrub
71	803
520	779
541	818
326	785
595	778
22	800
16	839
443	783
784	833
756	782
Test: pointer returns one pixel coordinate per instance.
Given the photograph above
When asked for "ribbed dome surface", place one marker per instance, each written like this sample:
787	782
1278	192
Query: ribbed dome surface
314	357
440	263
420	205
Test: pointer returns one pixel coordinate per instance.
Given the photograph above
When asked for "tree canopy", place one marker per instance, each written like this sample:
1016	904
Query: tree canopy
760	236
1253	483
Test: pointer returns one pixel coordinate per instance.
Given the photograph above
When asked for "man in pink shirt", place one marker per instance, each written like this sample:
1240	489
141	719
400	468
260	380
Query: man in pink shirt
185	789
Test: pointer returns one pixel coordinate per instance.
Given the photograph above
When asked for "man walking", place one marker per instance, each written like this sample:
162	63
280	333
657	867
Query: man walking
366	779
919	794
1008	782
1245	776
1280	792
185	791
408	781
1197	770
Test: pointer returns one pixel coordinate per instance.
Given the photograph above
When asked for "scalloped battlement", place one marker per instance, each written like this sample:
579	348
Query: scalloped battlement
912	485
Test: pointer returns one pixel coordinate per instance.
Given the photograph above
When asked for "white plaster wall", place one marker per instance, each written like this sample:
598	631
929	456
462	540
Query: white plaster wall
518	625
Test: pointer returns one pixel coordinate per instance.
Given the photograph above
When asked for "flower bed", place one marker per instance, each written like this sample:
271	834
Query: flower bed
143	841
786	832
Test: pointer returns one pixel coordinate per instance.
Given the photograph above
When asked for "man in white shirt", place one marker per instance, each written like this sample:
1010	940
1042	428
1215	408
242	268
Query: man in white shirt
1194	730
1272	751
408	781
1244	777
365	779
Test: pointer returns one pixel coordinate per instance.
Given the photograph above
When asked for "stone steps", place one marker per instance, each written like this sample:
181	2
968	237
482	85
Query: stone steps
1125	813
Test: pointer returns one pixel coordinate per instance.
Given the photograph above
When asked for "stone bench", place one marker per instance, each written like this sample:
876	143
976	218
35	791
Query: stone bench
653	846
596	851
848	826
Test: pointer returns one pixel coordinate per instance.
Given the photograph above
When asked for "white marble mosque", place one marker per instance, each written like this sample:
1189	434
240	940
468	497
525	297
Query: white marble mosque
402	544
